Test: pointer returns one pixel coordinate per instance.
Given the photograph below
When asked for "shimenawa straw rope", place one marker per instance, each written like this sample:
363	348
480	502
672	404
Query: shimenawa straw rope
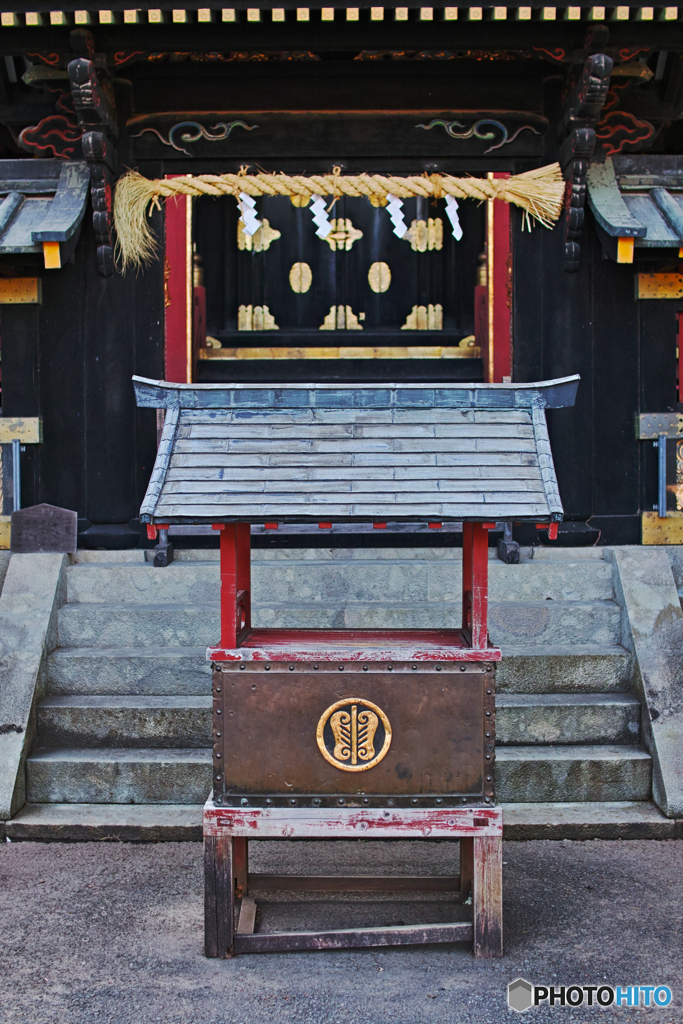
540	193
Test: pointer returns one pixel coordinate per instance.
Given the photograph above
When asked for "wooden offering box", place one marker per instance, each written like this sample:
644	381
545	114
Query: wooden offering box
348	733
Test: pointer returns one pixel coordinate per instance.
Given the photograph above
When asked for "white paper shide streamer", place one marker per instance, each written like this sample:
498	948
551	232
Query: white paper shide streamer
320	218
452	214
394	207
250	222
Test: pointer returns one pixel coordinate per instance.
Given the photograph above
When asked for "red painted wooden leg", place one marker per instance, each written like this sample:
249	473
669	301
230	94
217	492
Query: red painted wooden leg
241	867
219	896
466	866
487	896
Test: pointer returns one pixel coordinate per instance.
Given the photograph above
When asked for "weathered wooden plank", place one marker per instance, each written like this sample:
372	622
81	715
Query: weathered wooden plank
225	895
466	866
187	446
210	914
276	511
349	484
375	474
397	500
241	866
247	918
352	822
355	938
394	459
304	416
325	431
487	896
355	883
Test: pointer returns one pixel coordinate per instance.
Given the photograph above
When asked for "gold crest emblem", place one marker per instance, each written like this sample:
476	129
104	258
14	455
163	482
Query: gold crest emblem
350	732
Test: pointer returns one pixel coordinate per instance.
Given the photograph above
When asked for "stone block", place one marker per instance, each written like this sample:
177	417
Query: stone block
33	589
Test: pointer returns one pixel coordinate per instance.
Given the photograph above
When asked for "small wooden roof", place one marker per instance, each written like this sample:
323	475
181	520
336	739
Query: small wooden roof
41	201
319	452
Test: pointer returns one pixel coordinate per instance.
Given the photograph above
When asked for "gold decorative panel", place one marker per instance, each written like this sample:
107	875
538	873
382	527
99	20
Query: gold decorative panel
425	234
379	277
255	318
261	239
343	234
300	278
465	350
425	318
342	318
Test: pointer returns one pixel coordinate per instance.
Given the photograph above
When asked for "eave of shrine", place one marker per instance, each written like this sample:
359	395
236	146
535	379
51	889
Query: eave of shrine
639	197
41	206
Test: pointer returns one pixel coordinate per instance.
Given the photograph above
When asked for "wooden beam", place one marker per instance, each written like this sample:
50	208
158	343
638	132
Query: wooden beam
355	883
487	897
354	938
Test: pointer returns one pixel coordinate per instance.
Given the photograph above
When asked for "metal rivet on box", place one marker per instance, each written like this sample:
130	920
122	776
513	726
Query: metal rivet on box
291	668
242	668
438	668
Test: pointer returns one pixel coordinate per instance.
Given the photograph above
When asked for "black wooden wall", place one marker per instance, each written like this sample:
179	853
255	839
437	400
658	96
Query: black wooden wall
625	350
70	360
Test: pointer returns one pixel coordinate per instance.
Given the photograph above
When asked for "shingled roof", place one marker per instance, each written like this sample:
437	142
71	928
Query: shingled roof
311	452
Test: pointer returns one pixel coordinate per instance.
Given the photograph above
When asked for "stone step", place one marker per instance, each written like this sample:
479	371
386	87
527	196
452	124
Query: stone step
566	718
172	671
119	776
640	819
124	722
541	774
528	623
523	774
564	668
184	670
183	822
172	721
325	580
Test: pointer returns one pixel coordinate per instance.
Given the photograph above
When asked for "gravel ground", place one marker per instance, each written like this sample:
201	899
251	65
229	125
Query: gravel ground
107	931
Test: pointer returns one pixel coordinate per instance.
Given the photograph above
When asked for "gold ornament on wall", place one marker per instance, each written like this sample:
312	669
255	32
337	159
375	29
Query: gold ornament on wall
425	318
343	234
300	278
260	241
342	318
255	318
379	277
425	234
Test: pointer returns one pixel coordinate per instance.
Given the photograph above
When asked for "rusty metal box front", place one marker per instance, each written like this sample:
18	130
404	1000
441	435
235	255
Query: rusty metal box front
330	734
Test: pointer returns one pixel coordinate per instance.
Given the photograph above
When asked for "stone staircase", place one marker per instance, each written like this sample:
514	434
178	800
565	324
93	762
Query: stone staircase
123	738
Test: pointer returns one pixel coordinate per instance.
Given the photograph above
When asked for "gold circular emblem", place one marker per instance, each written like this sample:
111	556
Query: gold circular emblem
350	732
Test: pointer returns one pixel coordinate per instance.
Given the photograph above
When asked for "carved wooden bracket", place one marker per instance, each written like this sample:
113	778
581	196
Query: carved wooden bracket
94	103
581	113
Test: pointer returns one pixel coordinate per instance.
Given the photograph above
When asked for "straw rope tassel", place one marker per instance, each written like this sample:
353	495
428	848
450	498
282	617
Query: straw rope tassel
540	193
